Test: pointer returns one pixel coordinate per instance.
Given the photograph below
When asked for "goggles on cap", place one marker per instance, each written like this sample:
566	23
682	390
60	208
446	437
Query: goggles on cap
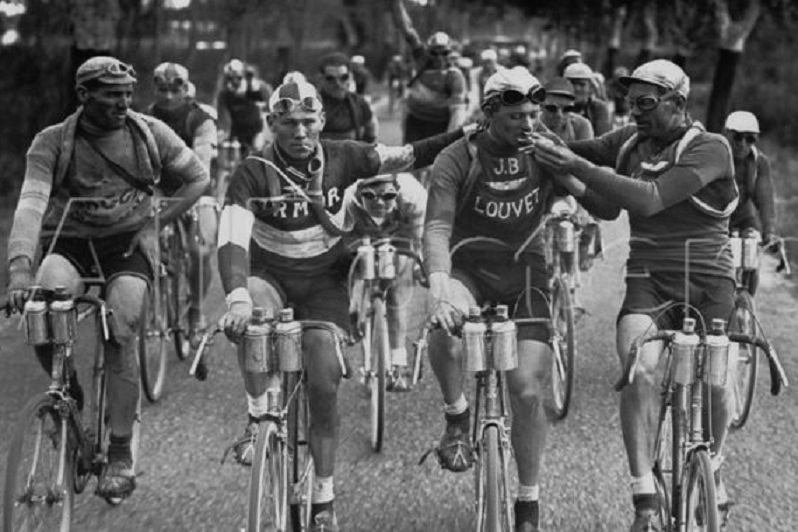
117	69
648	102
289	105
511	97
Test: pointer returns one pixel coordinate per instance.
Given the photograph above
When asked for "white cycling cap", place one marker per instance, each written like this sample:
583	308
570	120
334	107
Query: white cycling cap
489	55
517	78
742	121
662	73
578	71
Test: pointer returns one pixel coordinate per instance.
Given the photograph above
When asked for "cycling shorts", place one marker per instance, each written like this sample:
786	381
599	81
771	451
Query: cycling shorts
505	284
110	251
712	296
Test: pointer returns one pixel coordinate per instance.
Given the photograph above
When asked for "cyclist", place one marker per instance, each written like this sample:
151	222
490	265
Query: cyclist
198	130
396	72
489	60
348	114
273	254
383	206
115	156
484	186
436	95
240	103
677	182
752	174
568	58
587	104
360	75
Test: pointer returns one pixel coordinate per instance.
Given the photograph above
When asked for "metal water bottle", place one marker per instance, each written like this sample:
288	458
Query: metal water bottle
566	237
256	344
63	321
750	252
684	347
716	366
736	244
474	329
288	341
36	327
365	256
504	340
386	265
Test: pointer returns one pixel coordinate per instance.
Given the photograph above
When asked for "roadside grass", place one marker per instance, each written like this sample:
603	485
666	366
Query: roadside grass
784	170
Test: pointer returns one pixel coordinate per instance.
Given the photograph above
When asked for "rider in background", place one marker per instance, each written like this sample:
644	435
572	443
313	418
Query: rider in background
587	104
568	57
489	65
116	157
347	114
197	128
383	206
240	102
756	211
360	75
397	75
436	95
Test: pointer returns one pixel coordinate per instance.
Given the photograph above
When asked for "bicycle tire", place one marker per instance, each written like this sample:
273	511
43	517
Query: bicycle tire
152	342
701	505
180	295
268	503
380	351
43	503
490	517
663	467
745	378
563	344
302	470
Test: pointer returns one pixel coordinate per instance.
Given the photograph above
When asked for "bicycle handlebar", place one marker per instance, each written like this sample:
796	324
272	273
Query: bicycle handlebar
629	369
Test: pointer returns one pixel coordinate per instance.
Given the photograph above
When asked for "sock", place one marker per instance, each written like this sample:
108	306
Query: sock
644	492
399	356
258	406
323	490
528	493
119	449
458	407
526	512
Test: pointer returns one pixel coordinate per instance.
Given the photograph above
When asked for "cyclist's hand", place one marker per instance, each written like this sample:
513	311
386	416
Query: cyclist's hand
20	279
236	319
443	312
145	239
771	243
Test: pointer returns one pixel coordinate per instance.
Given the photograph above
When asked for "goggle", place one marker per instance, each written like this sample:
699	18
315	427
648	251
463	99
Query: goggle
439	52
750	138
647	102
343	78
164	83
555	108
370	195
120	69
511	97
289	105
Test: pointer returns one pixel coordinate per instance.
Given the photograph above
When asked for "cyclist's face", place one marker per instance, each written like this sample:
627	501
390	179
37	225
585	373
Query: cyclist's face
107	106
336	80
554	111
658	122
297	133
582	89
169	95
510	125
740	142
379	199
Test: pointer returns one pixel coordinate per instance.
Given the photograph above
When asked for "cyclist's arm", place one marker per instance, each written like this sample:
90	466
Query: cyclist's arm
405	24
764	197
416	154
457	106
601	117
37	188
204	140
602	150
414	206
448	172
225	120
235	232
371	126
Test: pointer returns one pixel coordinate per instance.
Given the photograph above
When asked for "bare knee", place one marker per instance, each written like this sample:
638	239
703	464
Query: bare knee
126	295
55	270
321	352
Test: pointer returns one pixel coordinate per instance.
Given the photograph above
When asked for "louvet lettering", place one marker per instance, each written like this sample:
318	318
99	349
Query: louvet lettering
504	210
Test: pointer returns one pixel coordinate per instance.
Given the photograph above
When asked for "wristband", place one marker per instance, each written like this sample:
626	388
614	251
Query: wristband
238	295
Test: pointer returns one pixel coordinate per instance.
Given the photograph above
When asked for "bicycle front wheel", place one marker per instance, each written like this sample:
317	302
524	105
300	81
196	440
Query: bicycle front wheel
180	295
663	467
744	387
152	342
563	344
493	503
268	483
302	470
38	493
701	505
380	349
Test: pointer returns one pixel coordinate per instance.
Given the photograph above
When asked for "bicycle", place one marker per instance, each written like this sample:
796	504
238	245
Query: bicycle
682	467
746	251
54	452
376	267
282	471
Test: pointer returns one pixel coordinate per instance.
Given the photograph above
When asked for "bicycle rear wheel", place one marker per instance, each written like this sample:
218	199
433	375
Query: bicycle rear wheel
152	341
38	492
701	505
268	482
493	498
180	294
744	387
380	350
301	468
563	343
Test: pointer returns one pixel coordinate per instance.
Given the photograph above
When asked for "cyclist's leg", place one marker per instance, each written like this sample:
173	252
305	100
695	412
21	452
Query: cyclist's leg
399	298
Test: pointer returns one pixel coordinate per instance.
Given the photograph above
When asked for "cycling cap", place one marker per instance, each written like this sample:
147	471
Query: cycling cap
358	60
105	69
489	55
661	73
295	76
743	122
571	53
578	71
560	87
294	95
171	73
439	40
512	79
376	180
234	68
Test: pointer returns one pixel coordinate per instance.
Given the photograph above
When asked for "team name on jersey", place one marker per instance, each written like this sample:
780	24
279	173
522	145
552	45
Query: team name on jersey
299	209
509	209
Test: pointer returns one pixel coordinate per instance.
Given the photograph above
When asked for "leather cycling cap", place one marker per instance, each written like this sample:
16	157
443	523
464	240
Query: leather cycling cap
489	55
105	69
571	53
439	39
235	67
742	122
517	78
358	60
295	94
172	73
377	179
560	87
662	73
578	71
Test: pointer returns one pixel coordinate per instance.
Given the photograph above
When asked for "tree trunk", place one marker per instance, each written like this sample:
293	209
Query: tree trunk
651	35
733	35
614	45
